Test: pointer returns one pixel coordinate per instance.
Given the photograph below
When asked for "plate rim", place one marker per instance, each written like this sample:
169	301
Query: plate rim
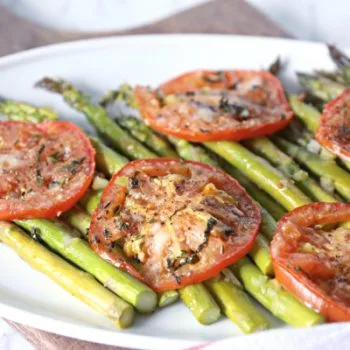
67	328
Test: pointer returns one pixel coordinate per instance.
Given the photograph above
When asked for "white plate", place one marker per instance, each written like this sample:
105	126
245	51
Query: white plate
97	65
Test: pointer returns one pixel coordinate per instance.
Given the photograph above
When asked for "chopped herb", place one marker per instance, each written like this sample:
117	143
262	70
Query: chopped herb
107	205
190	93
226	106
133	182
107	234
74	165
39	178
56	157
210	225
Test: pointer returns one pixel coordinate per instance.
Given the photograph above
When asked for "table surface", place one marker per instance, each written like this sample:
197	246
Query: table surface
217	16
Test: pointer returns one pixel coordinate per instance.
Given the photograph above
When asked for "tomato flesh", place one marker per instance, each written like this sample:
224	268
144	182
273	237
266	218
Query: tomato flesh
45	168
334	130
182	221
312	258
210	106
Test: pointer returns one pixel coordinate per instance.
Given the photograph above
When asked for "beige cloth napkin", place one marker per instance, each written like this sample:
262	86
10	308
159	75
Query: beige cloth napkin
217	16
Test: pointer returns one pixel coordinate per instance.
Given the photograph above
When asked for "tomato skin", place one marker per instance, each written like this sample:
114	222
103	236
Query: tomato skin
161	167
55	127
328	131
193	81
297	282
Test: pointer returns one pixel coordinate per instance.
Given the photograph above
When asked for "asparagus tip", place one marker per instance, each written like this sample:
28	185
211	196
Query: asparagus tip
51	84
276	66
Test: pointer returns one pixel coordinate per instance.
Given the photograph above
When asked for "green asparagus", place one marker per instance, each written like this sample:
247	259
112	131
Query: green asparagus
167	298
329	172
321	87
260	172
273	297
236	305
21	111
59	238
265	148
197	298
76	282
98	117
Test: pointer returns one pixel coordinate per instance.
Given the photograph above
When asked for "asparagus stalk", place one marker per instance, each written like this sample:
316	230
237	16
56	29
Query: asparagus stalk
78	219
90	200
107	161
308	114
76	282
140	131
144	134
236	305
321	87
327	169
270	294
77	250
21	111
260	172
167	298
98	117
265	148
202	305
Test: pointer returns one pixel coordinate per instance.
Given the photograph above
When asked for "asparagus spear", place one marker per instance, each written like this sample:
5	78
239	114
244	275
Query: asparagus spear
310	116
146	135
307	113
270	294
275	67
329	172
320	87
25	112
260	172
236	305
167	298
98	117
76	282
107	161
203	306
77	250
139	130
264	147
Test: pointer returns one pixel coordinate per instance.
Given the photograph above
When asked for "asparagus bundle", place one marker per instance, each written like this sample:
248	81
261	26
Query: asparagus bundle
76	282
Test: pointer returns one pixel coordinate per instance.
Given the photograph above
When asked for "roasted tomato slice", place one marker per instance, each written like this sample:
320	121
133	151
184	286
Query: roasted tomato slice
44	168
182	221
212	106
311	257
334	130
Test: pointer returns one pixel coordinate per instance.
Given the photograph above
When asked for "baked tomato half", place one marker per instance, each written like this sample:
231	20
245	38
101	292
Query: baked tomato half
45	168
182	221
212	106
334	129
311	257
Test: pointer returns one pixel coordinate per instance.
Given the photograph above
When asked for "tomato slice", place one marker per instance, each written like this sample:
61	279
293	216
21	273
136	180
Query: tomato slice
183	221
334	130
311	257
45	168
211	106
